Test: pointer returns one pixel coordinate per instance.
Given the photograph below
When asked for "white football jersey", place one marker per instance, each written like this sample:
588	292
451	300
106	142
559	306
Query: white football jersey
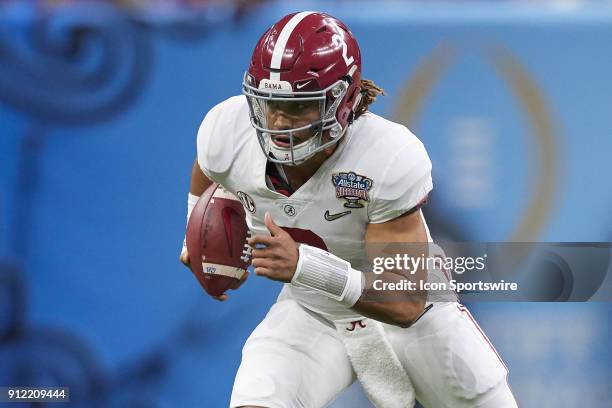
379	171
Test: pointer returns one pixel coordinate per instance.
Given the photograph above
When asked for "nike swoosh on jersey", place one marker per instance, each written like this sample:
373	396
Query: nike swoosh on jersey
332	217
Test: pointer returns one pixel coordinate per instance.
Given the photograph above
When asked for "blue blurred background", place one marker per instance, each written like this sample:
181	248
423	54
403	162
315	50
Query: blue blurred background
99	107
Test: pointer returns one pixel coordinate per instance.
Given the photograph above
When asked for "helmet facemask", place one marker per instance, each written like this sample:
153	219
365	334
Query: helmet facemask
294	146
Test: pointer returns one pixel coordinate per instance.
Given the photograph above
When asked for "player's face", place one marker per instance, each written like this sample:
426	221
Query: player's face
283	115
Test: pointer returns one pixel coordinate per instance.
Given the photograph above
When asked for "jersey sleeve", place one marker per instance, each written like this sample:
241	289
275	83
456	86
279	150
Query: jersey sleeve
215	144
405	184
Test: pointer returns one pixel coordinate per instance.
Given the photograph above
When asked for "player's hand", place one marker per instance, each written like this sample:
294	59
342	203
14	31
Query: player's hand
184	258
279	258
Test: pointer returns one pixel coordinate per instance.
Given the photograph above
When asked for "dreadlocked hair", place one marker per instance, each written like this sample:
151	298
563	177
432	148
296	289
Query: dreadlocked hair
369	92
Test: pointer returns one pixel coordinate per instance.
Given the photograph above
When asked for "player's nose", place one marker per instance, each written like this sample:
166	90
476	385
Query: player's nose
281	122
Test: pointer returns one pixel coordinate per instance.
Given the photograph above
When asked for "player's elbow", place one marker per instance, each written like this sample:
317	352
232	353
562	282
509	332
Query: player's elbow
406	313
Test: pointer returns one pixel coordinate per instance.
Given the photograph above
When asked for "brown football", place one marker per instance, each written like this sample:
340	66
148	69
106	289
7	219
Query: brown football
216	237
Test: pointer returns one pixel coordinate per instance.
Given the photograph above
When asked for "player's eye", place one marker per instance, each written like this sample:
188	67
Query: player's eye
293	108
310	106
273	106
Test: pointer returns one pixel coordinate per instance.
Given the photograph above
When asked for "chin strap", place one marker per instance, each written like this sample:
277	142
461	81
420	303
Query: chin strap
301	152
281	172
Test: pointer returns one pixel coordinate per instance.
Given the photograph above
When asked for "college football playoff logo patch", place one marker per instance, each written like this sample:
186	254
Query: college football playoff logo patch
352	187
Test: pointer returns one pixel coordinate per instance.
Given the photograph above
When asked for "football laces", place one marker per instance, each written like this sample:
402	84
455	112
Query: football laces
246	252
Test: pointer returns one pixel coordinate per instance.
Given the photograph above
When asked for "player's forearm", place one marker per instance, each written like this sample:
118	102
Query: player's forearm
399	309
404	236
330	275
199	182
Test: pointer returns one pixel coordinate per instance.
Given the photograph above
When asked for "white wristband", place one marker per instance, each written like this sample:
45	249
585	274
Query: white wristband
192	200
328	274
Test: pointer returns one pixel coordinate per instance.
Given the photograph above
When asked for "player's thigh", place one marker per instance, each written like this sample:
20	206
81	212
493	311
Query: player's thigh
291	360
449	359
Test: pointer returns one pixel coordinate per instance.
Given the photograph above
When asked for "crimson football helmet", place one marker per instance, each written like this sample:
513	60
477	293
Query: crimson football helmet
305	59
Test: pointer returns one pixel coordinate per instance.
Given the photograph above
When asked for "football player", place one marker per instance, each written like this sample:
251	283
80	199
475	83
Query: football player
320	178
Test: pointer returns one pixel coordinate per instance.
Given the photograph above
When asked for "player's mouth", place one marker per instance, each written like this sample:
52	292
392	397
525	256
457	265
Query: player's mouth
281	141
